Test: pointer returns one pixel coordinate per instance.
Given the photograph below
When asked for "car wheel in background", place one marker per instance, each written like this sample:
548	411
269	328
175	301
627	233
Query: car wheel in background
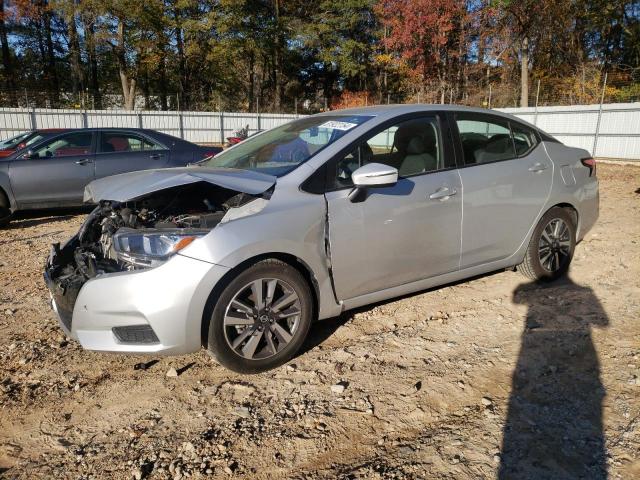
5	212
551	247
261	318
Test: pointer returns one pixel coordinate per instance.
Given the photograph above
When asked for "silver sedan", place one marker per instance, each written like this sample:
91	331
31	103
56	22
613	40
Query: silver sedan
240	253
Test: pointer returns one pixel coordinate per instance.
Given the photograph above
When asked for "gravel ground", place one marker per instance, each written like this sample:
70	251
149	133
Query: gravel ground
494	377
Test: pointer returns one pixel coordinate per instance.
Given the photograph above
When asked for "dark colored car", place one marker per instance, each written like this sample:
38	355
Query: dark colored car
11	145
53	171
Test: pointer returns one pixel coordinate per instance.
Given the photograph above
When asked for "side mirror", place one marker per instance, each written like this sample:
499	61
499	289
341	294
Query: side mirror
371	175
29	154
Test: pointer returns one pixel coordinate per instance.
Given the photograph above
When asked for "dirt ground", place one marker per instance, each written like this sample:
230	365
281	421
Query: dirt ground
488	378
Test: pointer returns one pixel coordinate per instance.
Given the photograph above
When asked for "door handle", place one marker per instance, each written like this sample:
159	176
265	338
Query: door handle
443	193
155	156
538	167
84	161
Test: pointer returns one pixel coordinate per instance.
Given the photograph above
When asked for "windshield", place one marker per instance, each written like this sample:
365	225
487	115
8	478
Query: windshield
279	150
13	141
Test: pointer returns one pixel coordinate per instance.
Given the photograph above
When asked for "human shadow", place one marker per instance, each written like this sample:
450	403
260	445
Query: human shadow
553	428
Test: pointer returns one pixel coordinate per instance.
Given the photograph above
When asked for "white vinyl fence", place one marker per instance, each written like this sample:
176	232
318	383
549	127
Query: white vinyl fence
607	131
610	130
197	127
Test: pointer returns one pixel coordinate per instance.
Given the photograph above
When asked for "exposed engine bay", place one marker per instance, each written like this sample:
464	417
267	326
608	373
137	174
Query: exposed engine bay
124	236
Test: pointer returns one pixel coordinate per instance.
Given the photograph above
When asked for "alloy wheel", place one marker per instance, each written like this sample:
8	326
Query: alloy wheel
554	247
262	318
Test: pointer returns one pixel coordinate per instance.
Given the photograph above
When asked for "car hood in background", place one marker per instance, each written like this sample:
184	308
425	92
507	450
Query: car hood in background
134	185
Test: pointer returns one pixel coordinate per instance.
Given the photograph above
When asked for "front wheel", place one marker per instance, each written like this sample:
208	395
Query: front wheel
261	318
551	247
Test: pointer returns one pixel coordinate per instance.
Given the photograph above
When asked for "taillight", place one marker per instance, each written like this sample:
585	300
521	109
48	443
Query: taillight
590	163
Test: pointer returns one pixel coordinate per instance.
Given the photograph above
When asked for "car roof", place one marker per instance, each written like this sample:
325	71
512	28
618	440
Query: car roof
79	129
400	109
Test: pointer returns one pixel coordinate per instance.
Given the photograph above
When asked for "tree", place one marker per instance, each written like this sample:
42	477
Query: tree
7	67
428	36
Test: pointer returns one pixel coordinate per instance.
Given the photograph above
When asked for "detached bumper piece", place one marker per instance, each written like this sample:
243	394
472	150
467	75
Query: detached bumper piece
135	335
64	289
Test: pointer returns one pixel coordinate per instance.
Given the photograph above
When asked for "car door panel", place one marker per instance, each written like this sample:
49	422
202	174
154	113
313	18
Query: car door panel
121	159
502	200
54	180
396	236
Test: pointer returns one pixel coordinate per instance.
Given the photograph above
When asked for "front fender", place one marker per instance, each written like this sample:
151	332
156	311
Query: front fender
296	229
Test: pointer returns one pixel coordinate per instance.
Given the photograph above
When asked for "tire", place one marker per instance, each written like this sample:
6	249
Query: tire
550	251
269	335
5	211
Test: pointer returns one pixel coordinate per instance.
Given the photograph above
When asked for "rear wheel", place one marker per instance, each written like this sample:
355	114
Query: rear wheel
261	318
551	247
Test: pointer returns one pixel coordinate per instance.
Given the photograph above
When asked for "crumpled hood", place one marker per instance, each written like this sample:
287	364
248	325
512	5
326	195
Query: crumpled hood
133	185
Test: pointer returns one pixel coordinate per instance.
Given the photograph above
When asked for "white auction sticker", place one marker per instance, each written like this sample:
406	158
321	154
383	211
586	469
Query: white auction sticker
338	125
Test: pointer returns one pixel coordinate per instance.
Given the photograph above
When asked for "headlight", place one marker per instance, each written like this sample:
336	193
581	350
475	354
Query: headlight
150	248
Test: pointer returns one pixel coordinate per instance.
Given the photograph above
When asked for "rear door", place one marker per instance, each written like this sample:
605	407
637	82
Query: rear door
506	179
55	172
402	233
126	151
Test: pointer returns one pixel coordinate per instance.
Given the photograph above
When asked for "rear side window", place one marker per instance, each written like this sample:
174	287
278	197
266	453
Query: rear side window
483	140
114	142
524	139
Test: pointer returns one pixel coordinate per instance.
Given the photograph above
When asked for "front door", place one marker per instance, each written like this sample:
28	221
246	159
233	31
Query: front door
54	173
402	233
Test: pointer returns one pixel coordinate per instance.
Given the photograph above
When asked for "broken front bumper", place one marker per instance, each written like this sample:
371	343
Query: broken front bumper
158	310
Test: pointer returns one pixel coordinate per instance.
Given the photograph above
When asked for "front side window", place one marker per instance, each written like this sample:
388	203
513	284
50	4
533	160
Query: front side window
31	140
484	141
65	146
114	142
413	147
280	150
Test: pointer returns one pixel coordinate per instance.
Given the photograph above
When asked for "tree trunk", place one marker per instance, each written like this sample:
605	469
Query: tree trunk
252	81
128	84
6	58
524	73
277	60
94	85
52	74
182	63
162	76
77	81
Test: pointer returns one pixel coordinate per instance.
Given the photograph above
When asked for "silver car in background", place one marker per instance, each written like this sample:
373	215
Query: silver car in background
241	253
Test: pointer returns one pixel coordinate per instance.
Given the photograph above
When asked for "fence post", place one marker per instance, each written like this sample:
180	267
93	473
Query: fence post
140	120
595	137
181	125
222	128
85	119
258	112
535	117
32	116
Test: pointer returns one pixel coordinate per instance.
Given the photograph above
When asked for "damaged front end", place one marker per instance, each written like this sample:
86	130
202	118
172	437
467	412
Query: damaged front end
122	236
